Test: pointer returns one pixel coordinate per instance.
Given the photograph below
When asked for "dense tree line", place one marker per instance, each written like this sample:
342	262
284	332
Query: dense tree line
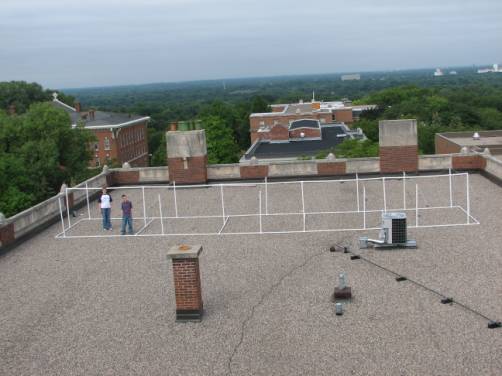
39	150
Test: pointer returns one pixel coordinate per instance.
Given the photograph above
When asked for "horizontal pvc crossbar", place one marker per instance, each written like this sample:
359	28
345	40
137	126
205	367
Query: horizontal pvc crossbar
177	187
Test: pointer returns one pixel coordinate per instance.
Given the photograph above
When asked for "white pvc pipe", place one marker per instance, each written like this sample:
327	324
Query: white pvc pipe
175	201
87	198
468	200
364	206
451	194
67	207
357	191
144	204
259	211
384	196
266	195
416	205
303	206
222	204
161	219
404	190
62	218
257	184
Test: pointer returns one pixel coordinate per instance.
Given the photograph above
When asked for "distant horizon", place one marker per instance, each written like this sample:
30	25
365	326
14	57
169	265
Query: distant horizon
223	79
103	43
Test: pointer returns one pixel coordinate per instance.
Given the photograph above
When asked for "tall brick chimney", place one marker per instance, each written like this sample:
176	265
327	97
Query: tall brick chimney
173	127
187	287
398	145
187	156
77	106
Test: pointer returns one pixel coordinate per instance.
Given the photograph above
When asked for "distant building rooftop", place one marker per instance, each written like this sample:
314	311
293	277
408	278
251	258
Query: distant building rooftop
98	119
453	142
331	136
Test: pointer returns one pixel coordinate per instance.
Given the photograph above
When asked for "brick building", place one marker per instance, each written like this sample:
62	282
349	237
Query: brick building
120	137
453	142
302	138
324	112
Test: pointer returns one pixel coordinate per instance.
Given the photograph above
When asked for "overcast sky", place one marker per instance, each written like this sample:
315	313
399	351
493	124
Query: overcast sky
76	43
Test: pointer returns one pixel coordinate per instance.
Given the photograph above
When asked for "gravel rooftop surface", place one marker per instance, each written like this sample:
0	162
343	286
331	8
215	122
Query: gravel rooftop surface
105	306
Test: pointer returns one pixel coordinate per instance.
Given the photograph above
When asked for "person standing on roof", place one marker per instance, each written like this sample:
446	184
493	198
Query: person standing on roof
126	216
105	204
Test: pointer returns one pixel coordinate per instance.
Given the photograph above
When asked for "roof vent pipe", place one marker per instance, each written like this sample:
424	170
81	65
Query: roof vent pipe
476	136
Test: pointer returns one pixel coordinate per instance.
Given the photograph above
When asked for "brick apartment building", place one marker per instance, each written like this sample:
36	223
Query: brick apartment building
282	115
120	137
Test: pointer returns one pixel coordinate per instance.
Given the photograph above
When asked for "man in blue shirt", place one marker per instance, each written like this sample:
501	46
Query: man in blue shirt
126	216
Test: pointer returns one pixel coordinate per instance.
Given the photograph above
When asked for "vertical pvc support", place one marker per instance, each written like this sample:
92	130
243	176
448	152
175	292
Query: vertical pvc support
144	204
266	195
175	201
303	206
416	205
161	216
62	218
87	199
259	211
468	199
67	207
357	191
451	191
404	190
364	207
384	196
222	204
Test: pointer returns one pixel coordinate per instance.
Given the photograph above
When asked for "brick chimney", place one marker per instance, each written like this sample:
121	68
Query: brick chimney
92	112
173	127
187	287
77	106
398	145
187	156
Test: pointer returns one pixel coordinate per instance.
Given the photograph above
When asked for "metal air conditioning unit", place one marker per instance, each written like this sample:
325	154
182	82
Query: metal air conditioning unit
393	233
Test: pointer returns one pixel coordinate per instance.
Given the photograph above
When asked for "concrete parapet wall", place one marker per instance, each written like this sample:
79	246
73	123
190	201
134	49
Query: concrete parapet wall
434	162
154	174
493	166
43	214
329	168
468	162
291	169
363	165
223	172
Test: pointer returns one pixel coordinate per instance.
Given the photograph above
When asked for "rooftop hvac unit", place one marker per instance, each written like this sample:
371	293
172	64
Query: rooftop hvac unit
393	233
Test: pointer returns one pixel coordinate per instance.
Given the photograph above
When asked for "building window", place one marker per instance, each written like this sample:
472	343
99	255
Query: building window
96	146
107	143
98	163
262	123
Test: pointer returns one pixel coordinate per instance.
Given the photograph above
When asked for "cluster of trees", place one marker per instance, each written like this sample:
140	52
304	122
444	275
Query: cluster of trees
38	149
437	109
